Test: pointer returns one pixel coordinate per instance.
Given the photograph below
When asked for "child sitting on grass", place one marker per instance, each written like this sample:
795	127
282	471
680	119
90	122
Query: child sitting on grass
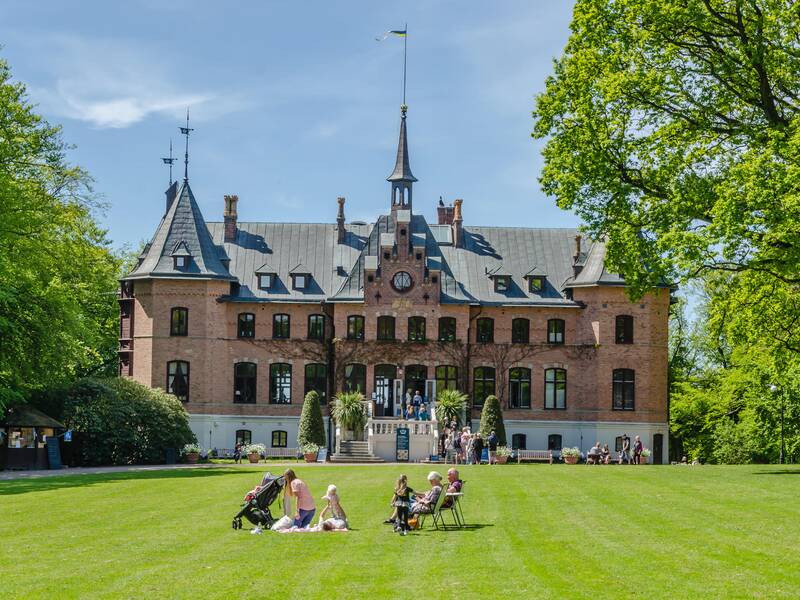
402	501
338	518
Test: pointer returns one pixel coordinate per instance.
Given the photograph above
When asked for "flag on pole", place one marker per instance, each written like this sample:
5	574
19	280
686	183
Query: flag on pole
397	32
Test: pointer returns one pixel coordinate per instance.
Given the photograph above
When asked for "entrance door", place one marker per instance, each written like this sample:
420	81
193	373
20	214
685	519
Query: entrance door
384	390
415	379
658	448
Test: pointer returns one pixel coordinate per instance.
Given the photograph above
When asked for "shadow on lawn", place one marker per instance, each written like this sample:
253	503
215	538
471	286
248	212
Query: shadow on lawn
43	484
782	472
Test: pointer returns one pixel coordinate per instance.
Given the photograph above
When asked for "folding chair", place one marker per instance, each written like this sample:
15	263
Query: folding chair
455	507
436	513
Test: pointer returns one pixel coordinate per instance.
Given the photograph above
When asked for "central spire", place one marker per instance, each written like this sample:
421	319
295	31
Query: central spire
402	178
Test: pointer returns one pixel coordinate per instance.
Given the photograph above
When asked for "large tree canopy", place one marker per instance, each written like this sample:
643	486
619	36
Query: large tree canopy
672	130
57	275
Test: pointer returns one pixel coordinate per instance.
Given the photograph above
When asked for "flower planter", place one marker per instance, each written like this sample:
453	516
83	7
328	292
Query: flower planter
571	460
192	458
254	457
501	460
310	457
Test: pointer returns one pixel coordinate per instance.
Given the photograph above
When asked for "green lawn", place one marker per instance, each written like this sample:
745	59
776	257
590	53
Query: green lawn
538	531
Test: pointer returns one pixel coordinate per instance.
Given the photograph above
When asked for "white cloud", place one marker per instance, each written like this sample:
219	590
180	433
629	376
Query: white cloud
116	84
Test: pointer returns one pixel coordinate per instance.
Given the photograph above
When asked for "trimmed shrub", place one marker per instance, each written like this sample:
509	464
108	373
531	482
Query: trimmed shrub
492	420
311	429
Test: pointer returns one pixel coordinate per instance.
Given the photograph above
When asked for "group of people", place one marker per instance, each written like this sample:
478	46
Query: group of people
415	408
461	446
408	504
299	507
601	455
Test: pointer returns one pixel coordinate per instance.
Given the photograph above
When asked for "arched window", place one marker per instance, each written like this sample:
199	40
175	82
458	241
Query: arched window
624	389
247	325
519	441
280	383
485	330
482	384
355	378
416	329
624	329
385	328
520	331
179	321
447	329
178	379
244	383
519	388
280	439
280	327
317	380
554	442
555	331
244	436
555	389
355	327
316	327
446	378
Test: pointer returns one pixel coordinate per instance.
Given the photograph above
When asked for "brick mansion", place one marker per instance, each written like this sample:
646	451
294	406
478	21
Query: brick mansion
240	319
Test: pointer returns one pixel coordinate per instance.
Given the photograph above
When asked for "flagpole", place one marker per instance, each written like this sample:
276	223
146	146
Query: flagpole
405	46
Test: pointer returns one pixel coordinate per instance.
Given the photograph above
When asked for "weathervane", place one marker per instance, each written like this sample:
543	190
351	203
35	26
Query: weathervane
186	131
170	161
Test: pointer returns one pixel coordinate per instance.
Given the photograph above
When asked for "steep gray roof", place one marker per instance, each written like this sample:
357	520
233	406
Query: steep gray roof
594	270
287	248
182	232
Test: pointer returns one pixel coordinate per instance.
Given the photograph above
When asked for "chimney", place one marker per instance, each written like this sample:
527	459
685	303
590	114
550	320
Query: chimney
458	222
230	217
576	268
341	232
445	213
171	192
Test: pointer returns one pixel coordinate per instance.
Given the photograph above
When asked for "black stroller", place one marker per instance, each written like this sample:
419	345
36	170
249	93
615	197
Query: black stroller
257	502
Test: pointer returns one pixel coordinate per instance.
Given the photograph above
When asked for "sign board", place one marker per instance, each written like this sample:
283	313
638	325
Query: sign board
53	452
403	445
68	435
322	455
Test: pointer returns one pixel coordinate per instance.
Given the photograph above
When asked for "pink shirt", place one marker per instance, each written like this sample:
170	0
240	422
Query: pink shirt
303	495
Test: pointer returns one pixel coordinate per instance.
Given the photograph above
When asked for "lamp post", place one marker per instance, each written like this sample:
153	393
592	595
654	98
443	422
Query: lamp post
774	388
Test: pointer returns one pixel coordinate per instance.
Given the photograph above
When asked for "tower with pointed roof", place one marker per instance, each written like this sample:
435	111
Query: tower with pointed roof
402	178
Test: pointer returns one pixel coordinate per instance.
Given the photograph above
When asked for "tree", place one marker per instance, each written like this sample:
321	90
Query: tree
672	130
492	420
311	429
450	405
58	277
348	410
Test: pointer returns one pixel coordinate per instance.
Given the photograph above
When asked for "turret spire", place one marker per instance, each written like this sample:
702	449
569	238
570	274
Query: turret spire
402	177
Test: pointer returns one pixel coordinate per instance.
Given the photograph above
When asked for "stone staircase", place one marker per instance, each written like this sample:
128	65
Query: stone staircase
354	452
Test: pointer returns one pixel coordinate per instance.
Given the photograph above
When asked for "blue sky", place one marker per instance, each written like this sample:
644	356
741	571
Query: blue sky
294	104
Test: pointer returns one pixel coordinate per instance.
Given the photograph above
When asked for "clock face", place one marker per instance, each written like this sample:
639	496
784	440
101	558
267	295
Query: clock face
401	281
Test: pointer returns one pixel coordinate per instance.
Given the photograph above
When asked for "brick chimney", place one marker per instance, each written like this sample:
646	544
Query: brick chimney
445	213
576	268
341	232
458	224
230	217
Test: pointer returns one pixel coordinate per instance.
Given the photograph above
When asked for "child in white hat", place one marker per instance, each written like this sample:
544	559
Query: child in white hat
338	518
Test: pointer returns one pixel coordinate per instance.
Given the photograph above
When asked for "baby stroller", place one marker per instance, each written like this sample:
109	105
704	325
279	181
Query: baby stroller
257	502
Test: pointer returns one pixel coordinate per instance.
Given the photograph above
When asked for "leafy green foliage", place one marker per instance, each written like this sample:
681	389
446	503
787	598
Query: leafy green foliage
492	420
349	412
123	422
58	311
311	429
450	405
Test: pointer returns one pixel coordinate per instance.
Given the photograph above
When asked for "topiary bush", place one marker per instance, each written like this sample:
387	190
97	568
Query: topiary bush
492	420
311	429
122	422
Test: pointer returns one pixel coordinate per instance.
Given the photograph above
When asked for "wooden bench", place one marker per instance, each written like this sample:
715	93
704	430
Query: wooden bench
535	455
281	453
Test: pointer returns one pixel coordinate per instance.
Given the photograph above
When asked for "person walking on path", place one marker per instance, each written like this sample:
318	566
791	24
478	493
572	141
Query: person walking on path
492	443
304	502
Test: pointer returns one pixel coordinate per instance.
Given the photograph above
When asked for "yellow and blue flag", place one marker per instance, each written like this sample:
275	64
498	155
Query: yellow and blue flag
397	32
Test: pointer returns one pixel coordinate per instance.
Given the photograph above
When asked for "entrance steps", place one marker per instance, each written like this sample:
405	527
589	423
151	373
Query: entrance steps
355	452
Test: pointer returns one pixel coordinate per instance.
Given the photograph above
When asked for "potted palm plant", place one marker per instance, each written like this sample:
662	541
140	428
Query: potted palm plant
254	452
348	410
503	452
309	451
450	405
570	455
192	453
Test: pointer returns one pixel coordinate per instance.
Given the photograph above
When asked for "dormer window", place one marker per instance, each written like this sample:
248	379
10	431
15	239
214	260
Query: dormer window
536	284
299	282
181	262
265	281
301	277
502	283
181	257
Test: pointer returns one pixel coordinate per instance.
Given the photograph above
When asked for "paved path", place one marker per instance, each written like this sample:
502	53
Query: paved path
11	475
